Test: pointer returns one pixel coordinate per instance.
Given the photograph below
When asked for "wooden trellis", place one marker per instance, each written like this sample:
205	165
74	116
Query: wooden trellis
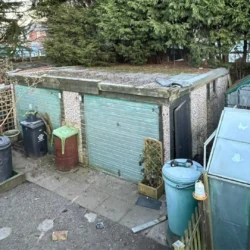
153	158
6	108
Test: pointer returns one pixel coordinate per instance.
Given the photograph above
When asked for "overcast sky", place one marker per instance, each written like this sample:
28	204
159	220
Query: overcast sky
26	4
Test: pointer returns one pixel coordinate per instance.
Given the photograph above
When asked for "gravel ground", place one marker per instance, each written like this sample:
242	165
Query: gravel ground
25	207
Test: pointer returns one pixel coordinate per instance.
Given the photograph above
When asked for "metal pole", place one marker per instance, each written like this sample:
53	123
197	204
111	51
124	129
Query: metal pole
210	138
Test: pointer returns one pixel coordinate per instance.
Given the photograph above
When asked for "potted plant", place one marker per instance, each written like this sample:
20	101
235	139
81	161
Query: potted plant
31	116
152	184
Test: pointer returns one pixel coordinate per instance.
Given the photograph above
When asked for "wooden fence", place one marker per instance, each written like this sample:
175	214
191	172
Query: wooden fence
194	235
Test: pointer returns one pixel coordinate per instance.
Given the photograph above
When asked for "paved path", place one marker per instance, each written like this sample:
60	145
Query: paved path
103	194
30	214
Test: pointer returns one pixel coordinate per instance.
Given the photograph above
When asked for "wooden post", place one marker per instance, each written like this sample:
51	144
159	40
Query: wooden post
208	216
178	245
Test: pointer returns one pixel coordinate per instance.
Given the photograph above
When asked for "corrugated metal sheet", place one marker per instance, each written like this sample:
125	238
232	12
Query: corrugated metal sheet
115	134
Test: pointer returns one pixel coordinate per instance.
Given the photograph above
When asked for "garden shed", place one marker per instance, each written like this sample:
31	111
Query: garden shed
229	181
239	94
115	111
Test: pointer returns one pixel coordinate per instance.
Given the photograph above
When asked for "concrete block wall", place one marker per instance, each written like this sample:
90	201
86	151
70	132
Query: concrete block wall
72	116
166	132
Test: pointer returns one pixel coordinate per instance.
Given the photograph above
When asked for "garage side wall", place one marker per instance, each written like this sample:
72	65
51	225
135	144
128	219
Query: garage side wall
207	103
216	102
198	119
72	116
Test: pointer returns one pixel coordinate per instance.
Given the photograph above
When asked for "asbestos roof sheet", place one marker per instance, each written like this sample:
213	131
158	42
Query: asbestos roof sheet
130	79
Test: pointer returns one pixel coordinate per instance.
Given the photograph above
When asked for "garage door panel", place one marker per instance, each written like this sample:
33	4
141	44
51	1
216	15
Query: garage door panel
118	151
134	116
133	142
116	130
117	103
117	169
141	131
119	121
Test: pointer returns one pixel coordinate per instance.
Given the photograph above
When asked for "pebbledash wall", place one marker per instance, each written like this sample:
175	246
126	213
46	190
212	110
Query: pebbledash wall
64	100
72	116
207	103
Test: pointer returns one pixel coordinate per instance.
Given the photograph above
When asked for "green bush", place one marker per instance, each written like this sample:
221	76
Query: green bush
73	38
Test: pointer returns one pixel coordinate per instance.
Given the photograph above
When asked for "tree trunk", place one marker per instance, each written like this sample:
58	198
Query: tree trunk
244	59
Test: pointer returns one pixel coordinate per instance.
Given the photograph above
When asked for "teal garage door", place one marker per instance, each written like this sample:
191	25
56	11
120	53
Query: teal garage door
115	131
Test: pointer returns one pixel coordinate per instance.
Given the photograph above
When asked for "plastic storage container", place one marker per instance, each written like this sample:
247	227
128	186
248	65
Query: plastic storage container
34	138
179	186
5	158
66	148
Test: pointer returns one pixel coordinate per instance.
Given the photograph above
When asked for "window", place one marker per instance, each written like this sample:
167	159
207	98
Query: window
214	86
208	91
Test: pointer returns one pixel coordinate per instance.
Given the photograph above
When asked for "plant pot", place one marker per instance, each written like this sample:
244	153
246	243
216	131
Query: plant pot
12	135
152	192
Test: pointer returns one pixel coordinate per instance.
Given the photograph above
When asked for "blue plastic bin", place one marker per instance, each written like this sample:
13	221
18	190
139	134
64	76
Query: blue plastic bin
179	186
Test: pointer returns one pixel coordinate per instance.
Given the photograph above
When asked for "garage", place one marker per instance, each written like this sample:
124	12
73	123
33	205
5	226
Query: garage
115	131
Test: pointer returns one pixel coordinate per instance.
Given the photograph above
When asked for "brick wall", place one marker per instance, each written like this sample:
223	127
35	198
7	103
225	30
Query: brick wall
34	35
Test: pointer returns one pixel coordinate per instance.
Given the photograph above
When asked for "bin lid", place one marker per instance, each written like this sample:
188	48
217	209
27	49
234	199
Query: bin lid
32	125
63	133
182	175
4	142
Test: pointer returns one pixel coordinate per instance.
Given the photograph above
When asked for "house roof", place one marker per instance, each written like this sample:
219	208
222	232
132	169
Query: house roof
125	81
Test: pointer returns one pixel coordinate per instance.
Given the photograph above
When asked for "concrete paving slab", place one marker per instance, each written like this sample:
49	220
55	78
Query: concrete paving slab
138	216
18	159
71	189
106	195
159	233
117	187
26	206
114	208
91	198
52	182
20	163
83	175
35	175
